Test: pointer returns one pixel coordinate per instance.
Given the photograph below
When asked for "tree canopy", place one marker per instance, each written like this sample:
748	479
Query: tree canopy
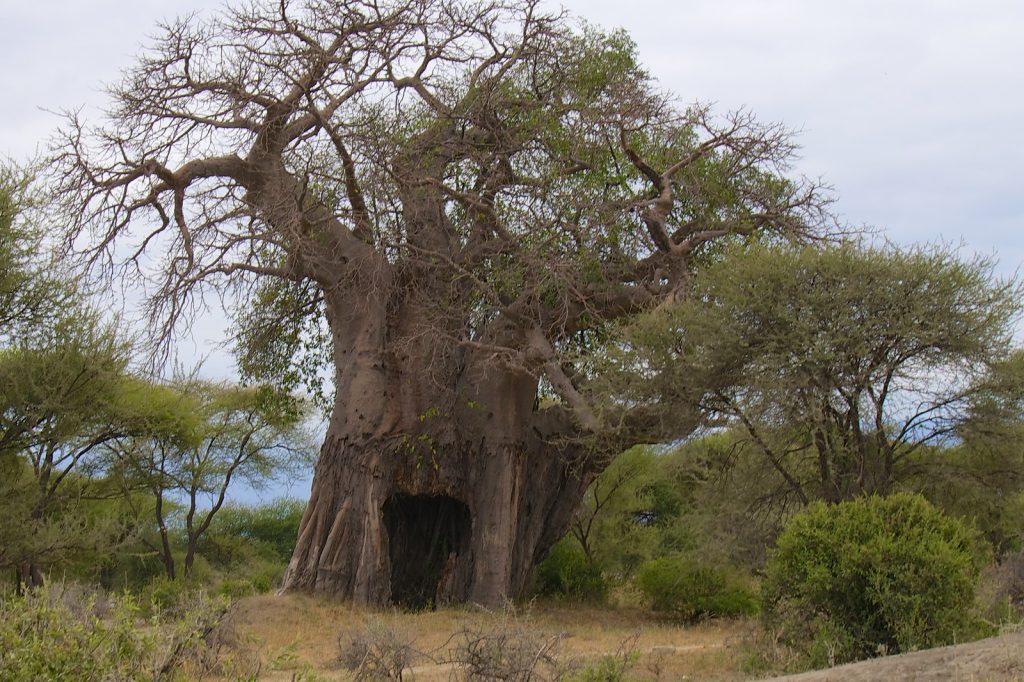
841	365
506	166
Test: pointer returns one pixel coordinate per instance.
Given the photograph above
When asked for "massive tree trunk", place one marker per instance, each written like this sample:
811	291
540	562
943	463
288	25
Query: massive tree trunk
383	525
440	479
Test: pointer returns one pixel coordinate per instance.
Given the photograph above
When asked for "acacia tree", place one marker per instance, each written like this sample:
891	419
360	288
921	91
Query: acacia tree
60	367
67	398
844	369
33	289
238	434
462	196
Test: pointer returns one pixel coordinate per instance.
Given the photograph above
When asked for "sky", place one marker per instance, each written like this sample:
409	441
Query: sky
913	110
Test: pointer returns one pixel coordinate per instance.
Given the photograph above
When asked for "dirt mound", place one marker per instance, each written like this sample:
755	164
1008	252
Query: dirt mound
996	658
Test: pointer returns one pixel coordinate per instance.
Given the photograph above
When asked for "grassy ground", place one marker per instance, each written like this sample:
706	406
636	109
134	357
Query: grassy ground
300	637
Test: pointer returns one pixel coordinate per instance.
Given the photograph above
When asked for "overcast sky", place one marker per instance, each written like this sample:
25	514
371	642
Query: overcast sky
913	110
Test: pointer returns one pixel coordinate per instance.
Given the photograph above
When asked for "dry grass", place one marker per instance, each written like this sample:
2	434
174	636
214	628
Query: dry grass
300	638
297	637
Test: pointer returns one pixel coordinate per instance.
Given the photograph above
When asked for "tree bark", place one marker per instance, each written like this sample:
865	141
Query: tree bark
433	440
519	501
166	555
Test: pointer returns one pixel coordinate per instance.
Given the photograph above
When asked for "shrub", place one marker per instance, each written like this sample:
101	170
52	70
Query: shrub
166	595
689	592
875	575
42	636
234	590
378	652
63	632
568	574
239	532
511	647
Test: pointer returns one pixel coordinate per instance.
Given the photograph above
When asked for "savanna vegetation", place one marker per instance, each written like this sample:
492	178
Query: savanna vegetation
559	341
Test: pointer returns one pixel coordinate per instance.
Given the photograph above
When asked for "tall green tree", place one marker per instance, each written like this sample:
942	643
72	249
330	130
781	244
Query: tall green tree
241	434
66	395
842	366
59	366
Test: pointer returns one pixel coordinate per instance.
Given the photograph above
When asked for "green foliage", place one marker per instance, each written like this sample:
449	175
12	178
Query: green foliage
826	358
733	511
872	575
60	403
704	495
163	594
689	592
242	433
568	574
983	475
33	286
1001	593
43	637
236	589
66	396
240	533
617	523
280	338
61	385
62	632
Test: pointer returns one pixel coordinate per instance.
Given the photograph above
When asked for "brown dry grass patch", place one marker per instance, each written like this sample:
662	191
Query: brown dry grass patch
297	636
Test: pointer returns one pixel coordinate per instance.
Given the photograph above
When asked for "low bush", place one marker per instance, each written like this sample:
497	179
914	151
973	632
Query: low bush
870	576
164	595
568	574
43	637
686	591
65	632
377	652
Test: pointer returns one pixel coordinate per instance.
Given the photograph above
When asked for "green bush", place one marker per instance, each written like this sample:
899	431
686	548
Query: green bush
568	574
67	632
875	575
235	589
47	636
240	532
689	592
166	595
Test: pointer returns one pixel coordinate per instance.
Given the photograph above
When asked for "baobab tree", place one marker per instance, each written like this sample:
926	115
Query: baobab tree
469	197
